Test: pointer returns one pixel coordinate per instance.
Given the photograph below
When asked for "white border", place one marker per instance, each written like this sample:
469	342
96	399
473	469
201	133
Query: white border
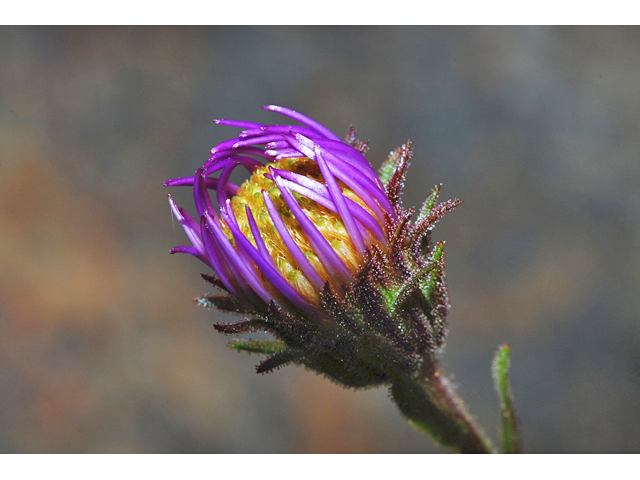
327	12
284	467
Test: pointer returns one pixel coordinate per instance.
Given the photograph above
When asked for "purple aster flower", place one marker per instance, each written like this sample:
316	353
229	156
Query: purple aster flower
316	248
305	217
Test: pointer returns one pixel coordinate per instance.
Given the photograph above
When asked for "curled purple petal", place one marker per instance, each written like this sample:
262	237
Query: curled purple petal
244	274
325	252
285	153
210	183
190	251
278	129
201	195
297	254
341	205
226	145
280	144
312	124
346	155
257	235
257	140
222	194
318	193
237	123
266	266
221	154
189	225
360	184
363	184
352	157
218	263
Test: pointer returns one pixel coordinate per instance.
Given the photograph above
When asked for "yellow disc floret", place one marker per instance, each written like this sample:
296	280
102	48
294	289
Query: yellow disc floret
328	223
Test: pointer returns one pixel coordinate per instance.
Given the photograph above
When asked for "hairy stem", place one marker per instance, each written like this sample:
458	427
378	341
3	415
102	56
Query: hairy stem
432	406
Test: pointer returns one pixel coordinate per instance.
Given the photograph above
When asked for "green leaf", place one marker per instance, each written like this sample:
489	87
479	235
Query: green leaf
500	371
266	347
389	166
414	282
429	285
429	203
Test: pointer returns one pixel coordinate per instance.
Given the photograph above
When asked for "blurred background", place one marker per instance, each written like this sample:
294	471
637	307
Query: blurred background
536	129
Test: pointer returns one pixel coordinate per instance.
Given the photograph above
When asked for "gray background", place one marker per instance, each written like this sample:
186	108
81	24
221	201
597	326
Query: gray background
536	129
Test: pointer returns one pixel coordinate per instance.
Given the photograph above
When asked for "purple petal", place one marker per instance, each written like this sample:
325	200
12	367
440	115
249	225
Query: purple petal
284	153
351	177
338	199
348	175
323	249
226	145
300	258
257	235
222	194
210	165
237	151
312	124
345	153
357	159
218	165
278	129
201	195
247	162
351	156
276	145
210	183
267	267
257	140
237	267
318	192
190	251
189	225
342	147
237	123
241	267
218	263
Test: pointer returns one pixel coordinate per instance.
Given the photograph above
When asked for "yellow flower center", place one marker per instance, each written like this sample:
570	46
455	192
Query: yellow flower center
328	223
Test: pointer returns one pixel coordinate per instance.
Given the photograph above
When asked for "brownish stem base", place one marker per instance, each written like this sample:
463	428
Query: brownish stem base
431	405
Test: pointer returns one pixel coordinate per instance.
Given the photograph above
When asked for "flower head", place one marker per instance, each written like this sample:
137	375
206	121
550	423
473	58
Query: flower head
303	219
316	248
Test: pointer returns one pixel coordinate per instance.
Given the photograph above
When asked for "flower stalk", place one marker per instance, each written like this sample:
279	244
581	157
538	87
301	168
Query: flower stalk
431	405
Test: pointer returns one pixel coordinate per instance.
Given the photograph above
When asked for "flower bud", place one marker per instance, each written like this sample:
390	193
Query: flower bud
316	248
